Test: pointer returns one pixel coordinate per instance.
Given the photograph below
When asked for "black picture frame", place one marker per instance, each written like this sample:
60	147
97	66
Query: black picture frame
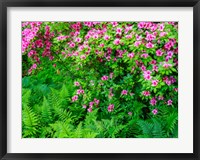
4	4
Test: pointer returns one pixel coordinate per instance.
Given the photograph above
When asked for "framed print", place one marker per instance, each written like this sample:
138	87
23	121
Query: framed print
99	79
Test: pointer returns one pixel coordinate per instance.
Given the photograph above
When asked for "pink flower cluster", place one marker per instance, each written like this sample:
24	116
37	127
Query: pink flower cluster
94	102
29	33
153	101
146	93
110	107
124	92
169	80
147	75
154	82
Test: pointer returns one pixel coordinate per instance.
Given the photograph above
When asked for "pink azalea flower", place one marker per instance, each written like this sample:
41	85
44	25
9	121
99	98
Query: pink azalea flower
104	78
118	30
155	111
74	98
91	104
169	102
114	24
153	62
154	82
72	45
95	36
106	37
153	101
141	25
78	40
76	83
137	43
145	55
150	37
34	66
80	91
170	54
128	36
159	52
131	55
138	37
155	68
161	27
124	92
89	109
96	101
146	93
110	107
147	72
162	34
143	68
83	57
149	45
147	77
117	41
166	65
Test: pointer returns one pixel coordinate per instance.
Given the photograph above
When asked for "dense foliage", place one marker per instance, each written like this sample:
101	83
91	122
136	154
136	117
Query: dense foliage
100	79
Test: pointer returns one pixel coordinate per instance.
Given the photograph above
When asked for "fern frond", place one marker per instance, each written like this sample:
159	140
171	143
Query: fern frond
30	122
171	122
146	128
46	113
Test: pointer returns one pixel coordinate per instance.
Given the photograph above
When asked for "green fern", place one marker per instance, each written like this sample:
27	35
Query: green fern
171	122
62	129
30	122
46	113
146	128
158	131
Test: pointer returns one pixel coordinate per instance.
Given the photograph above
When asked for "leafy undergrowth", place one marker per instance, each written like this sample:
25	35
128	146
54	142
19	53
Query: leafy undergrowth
100	79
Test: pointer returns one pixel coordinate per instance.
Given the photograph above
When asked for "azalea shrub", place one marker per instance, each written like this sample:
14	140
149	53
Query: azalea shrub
100	79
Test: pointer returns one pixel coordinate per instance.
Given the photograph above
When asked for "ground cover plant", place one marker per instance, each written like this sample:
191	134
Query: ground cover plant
99	79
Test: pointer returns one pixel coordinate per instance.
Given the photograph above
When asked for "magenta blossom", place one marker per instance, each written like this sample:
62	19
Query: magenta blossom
159	52
96	101
89	109
118	31
169	102
153	101
137	43
116	41
146	93
150	37
131	55
72	45
154	82
34	66
149	45
155	111
104	78
110	107
114	24
124	92
106	37
145	55
74	98
76	83
80	91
